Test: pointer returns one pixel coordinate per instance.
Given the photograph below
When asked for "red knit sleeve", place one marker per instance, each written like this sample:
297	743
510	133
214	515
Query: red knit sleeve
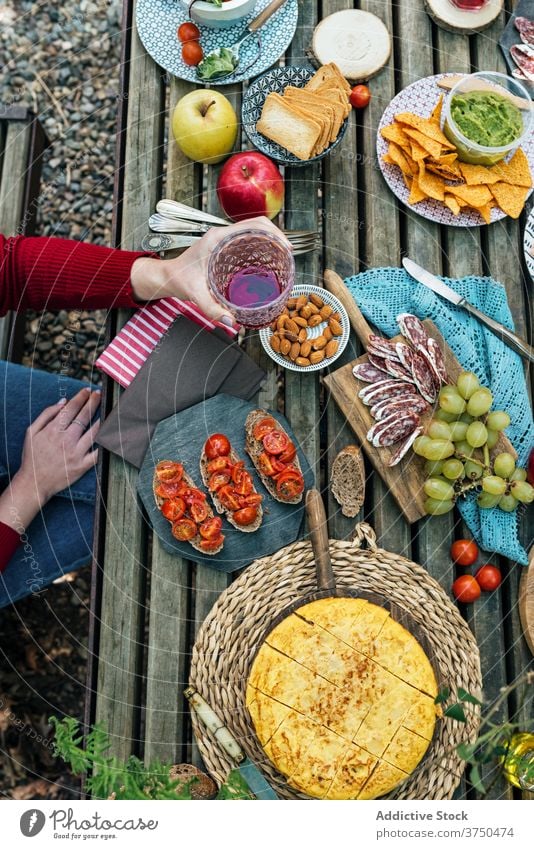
9	542
48	273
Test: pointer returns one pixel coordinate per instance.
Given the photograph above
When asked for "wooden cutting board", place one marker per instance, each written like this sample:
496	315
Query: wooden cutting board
526	601
405	480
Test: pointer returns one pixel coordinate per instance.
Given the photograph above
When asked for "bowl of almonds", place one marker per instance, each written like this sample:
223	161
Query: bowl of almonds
311	333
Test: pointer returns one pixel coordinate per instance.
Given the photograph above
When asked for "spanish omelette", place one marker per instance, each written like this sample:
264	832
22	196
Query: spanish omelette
341	697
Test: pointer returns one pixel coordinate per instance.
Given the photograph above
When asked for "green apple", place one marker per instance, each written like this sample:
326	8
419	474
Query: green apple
205	126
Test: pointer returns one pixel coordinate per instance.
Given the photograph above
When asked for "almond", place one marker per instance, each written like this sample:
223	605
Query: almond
303	335
331	348
327	333
305	348
319	343
315	299
314	320
316	357
285	347
303	361
300	321
326	311
275	342
293	337
294	351
335	327
301	302
313	309
281	322
306	311
291	304
290	326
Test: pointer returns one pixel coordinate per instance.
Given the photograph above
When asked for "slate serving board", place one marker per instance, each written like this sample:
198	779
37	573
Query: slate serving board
181	437
510	35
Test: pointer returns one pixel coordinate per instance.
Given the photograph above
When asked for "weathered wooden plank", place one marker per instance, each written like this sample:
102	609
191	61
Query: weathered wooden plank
14	175
123	601
170	590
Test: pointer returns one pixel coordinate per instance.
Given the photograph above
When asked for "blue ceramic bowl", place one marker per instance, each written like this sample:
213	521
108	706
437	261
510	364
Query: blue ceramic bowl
277	80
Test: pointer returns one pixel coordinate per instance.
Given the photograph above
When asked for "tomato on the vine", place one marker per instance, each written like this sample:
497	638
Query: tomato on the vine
464	552
488	577
466	589
217	445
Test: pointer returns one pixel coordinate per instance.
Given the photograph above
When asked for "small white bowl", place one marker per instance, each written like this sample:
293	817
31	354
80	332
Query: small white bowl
228	15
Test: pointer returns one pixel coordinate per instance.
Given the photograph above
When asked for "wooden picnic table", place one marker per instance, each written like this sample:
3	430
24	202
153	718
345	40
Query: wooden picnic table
148	605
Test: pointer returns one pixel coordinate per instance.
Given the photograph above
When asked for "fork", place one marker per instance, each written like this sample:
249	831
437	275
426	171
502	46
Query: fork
161	242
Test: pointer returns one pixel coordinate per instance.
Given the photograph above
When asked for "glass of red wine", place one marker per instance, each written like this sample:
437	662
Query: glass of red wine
469	5
251	273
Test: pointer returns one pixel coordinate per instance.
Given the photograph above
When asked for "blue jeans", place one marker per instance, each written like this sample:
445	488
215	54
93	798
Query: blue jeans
60	537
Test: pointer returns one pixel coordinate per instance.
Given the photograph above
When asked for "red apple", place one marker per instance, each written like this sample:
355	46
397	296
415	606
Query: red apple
250	185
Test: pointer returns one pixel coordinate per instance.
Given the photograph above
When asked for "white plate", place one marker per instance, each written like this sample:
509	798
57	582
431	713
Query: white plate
528	243
420	98
313	332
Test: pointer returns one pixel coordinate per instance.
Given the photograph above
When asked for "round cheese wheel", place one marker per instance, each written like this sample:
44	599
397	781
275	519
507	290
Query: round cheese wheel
358	42
448	16
341	697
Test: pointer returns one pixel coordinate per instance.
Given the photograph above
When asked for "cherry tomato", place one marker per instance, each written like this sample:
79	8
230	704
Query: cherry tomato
193	494
198	510
265	465
252	500
188	32
184	529
220	464
218	480
262	427
275	442
289	454
173	509
228	498
192	53
488	577
242	482
211	544
245	516
360	96
169	490
217	445
290	485
211	528
464	552
466	589
167	471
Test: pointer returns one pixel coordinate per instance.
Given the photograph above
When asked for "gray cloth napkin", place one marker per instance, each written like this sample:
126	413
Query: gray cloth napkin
189	365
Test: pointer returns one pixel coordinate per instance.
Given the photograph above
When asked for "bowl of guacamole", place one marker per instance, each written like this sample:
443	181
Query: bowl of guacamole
486	117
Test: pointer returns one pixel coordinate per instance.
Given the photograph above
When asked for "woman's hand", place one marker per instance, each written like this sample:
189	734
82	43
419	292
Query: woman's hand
57	451
186	276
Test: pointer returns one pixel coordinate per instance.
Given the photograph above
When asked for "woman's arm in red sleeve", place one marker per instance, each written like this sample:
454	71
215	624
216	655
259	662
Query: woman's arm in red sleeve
49	273
9	542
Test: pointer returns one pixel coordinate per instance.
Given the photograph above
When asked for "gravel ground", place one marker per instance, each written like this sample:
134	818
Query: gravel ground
62	61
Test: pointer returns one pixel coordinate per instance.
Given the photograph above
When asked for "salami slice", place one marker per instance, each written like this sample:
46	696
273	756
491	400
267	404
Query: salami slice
367	373
378	362
396	369
382	393
392	430
405	447
398	404
386	383
522	57
422	351
423	377
404	353
412	329
381	347
525	29
436	355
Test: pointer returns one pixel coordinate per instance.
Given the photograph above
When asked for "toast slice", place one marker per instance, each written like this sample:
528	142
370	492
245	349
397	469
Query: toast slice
314	103
347	480
297	133
195	542
254	448
329	73
302	108
247	529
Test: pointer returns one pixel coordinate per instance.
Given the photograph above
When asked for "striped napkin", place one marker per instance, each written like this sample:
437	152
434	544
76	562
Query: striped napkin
133	345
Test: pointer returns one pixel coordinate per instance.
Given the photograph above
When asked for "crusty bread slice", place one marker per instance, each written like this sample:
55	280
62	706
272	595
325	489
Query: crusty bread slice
247	529
347	480
254	448
296	133
195	542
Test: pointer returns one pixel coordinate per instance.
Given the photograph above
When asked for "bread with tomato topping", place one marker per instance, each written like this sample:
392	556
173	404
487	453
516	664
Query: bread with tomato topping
233	457
197	540
254	448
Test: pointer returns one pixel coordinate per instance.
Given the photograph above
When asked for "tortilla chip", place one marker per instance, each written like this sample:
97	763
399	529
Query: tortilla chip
516	172
511	199
418	152
431	184
408	181
477	175
485	212
400	159
448	158
432	147
416	192
435	115
476	196
394	133
387	159
452	204
443	171
425	126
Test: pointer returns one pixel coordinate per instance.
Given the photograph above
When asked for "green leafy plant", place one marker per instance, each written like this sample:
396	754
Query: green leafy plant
107	776
493	742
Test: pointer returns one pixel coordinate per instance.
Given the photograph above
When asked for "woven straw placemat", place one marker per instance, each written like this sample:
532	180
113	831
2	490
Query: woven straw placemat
237	624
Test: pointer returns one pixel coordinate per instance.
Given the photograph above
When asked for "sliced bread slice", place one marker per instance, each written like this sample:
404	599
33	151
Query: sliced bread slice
246	529
347	480
296	133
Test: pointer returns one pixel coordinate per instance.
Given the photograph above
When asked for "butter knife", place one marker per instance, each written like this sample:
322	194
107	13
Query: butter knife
432	282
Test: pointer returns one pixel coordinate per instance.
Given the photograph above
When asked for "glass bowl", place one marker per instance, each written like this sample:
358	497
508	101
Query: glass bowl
503	86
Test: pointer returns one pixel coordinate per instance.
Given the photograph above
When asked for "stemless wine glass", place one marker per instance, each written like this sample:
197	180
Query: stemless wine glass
263	256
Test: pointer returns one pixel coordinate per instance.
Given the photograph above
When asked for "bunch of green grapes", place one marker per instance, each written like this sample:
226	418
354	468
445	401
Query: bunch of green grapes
457	445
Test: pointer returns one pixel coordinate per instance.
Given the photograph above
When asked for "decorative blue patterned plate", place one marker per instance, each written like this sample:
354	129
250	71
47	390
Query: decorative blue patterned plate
277	80
158	20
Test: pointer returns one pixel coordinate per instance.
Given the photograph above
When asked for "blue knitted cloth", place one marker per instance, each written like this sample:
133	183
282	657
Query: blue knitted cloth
383	293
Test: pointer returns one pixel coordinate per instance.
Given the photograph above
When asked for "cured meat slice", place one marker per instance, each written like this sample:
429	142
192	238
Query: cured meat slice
412	329
404	353
381	347
392	430
399	404
367	373
378	362
396	369
387	383
422	351
423	377
523	56
381	393
405	447
525	29
436	355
